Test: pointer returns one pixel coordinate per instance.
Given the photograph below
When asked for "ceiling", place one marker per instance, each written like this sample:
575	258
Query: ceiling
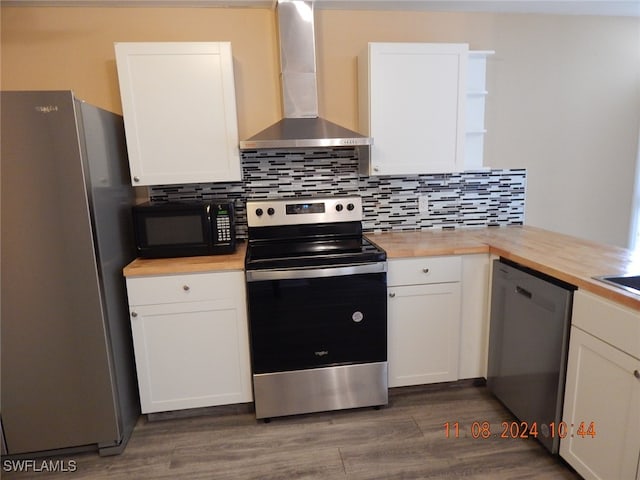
564	7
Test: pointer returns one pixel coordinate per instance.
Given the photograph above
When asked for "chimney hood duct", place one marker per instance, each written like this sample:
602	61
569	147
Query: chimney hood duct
301	126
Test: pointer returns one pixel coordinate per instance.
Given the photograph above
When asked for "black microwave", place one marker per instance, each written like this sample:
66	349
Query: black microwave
184	229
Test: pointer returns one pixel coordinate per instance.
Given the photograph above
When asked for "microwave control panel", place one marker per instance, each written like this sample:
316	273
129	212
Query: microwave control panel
223	229
223	224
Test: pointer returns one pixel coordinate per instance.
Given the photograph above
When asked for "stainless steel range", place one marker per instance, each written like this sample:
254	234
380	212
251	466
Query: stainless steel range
317	303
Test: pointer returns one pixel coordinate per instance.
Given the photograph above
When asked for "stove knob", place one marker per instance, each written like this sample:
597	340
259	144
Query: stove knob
270	211
339	207
259	212
350	206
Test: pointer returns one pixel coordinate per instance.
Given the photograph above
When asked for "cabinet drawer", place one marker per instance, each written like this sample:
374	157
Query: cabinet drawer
416	271
608	321
194	287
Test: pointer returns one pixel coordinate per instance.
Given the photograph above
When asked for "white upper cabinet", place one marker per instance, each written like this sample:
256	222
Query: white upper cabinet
179	106
412	100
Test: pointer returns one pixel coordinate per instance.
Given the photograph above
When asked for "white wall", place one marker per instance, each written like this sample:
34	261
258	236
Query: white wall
564	90
566	106
634	234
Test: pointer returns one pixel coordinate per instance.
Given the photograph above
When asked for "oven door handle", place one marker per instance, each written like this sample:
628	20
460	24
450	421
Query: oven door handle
315	272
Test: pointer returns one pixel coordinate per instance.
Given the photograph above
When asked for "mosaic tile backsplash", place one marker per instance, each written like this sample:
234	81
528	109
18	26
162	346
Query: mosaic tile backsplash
478	198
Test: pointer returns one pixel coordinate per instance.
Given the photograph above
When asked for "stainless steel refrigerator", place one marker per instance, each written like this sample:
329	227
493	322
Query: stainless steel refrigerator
67	368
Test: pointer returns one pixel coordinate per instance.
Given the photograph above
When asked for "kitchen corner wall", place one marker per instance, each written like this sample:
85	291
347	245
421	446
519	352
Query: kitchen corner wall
563	103
491	197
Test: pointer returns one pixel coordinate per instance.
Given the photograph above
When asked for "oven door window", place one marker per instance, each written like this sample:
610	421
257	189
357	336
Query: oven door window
315	322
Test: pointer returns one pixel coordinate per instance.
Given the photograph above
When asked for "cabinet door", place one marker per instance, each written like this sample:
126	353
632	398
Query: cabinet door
424	333
191	355
178	101
601	388
416	95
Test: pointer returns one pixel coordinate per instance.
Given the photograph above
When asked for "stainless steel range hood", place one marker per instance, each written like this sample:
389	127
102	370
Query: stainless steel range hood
301	126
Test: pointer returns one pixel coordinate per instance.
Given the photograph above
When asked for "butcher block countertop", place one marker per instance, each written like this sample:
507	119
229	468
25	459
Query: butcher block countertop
142	267
568	258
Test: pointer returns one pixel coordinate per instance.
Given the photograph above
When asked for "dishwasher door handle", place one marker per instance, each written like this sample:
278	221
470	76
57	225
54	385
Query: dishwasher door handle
523	291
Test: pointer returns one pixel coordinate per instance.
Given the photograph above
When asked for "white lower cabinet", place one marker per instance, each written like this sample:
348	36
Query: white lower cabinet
423	320
602	391
190	340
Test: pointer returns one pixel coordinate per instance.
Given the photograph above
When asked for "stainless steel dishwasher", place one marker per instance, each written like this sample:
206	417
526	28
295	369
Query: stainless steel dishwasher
528	343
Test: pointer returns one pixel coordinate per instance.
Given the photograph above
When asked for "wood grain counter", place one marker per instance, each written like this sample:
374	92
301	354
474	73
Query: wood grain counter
568	258
428	243
168	266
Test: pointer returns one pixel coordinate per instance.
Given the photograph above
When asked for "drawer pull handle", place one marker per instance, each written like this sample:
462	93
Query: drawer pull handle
425	270
186	288
392	295
134	314
636	374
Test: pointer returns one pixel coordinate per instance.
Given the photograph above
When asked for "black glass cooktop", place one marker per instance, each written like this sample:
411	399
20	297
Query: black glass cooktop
309	253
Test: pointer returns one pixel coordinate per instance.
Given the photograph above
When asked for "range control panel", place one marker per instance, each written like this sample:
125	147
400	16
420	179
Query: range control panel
298	210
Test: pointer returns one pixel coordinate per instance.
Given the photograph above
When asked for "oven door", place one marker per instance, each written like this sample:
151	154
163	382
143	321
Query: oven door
317	317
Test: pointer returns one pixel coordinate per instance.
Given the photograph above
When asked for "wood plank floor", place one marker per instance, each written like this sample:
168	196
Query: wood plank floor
405	440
